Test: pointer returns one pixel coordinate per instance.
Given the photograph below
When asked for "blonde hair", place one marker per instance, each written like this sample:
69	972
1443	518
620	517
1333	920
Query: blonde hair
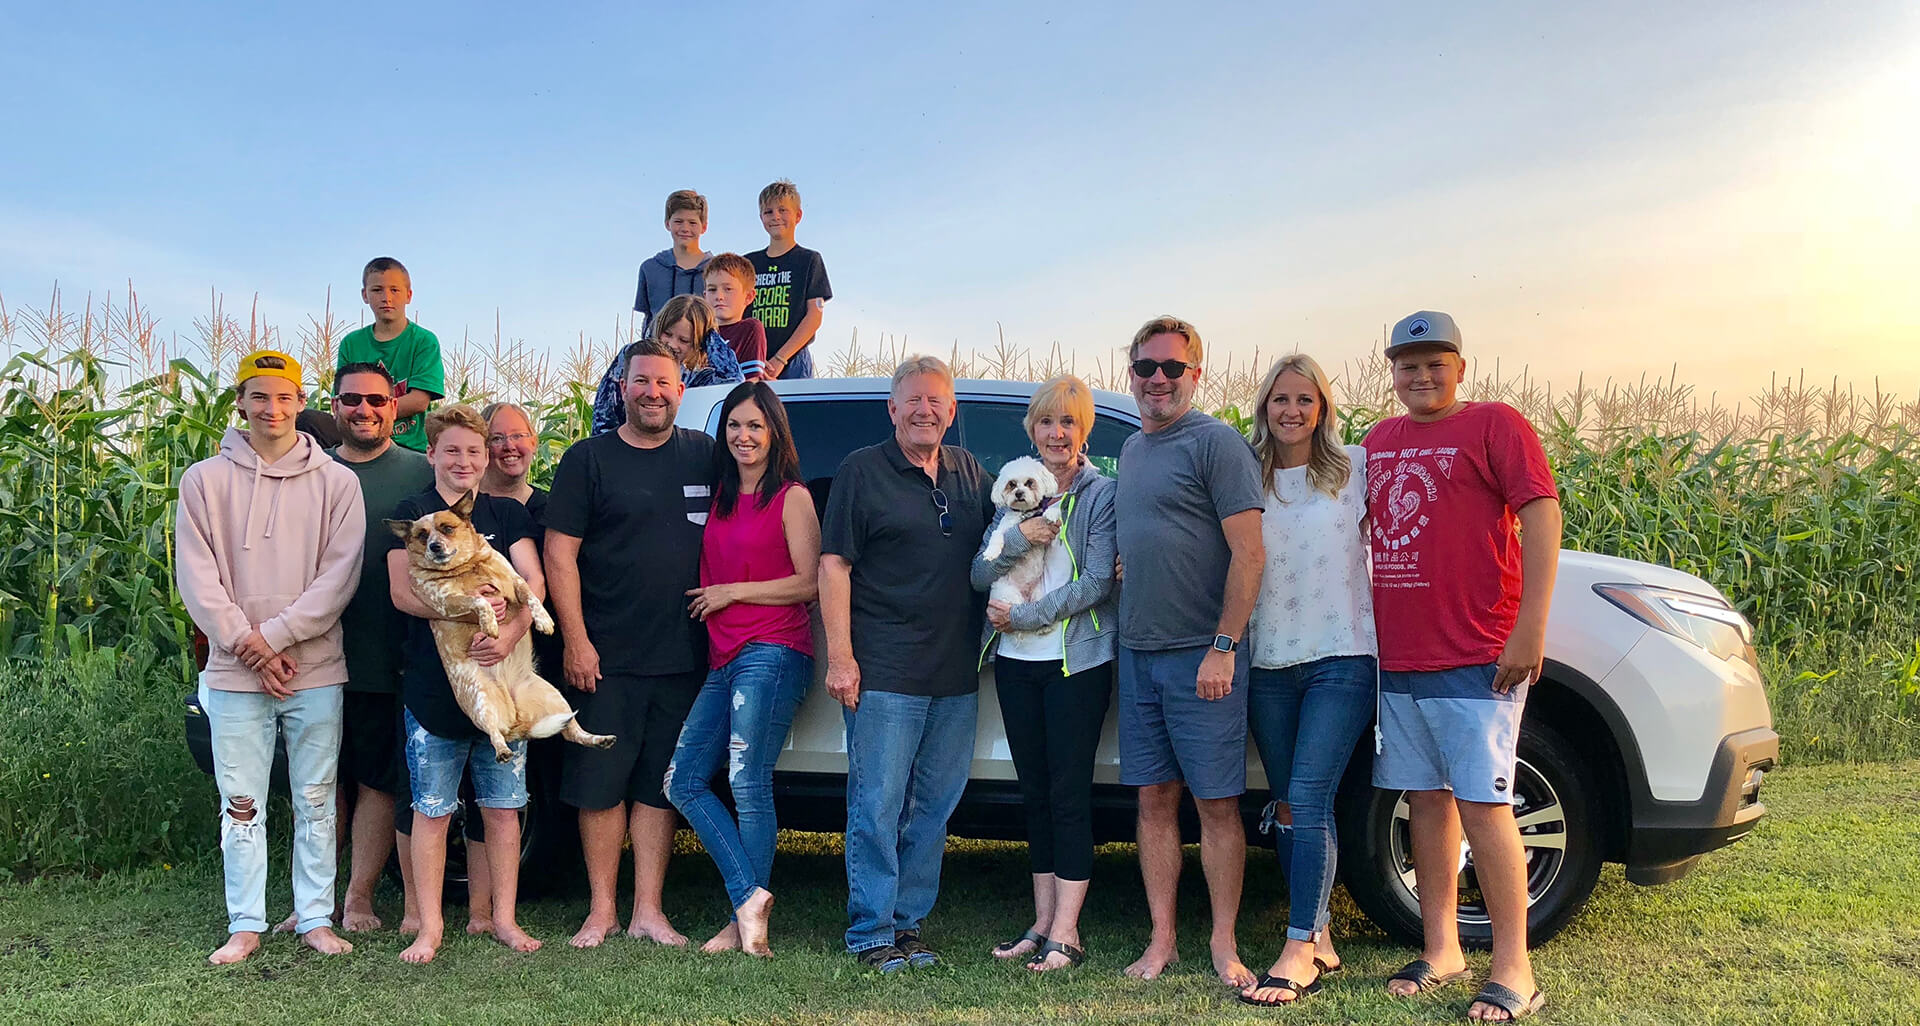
1167	324
1328	466
491	410
460	415
698	315
1065	394
921	364
780	189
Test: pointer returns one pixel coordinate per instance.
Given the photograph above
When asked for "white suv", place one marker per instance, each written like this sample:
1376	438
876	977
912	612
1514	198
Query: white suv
1644	743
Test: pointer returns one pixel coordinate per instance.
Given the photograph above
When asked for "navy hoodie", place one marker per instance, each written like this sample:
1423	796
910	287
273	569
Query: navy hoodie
662	279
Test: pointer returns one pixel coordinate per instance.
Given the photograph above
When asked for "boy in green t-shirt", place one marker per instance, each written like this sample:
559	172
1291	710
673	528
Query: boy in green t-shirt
410	352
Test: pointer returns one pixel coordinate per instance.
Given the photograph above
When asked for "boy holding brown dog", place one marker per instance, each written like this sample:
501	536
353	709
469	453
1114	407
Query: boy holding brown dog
442	742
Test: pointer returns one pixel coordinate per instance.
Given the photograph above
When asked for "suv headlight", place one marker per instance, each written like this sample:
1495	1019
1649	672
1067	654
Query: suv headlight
1706	620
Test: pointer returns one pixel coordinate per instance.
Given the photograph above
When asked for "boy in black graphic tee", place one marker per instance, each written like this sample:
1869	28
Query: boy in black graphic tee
790	286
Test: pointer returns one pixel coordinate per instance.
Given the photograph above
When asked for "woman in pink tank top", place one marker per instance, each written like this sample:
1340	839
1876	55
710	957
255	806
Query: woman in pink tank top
757	564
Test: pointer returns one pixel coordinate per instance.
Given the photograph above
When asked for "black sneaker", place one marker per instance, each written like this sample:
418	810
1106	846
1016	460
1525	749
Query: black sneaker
883	959
918	954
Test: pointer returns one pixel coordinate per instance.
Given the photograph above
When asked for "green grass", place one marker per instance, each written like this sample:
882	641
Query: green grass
1808	921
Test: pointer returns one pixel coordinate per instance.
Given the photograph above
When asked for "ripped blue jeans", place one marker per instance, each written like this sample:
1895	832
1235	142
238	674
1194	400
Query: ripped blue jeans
739	720
245	725
436	764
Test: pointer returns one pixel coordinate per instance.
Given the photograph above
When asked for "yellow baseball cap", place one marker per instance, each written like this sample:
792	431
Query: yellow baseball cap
269	363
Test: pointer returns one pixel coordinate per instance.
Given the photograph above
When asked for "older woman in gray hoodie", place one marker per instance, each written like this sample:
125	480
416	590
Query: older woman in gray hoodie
1053	662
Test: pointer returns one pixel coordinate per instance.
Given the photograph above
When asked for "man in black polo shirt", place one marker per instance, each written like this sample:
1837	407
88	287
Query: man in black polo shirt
903	626
624	522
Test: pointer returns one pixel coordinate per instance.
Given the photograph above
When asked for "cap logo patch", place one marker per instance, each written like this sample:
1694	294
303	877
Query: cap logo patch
1417	328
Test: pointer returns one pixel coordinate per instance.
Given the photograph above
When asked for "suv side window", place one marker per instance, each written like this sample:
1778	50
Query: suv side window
826	429
995	432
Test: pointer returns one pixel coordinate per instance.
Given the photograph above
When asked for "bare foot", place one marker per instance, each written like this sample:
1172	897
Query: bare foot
1159	955
237	947
288	924
325	941
726	940
756	913
1443	965
1227	965
409	924
514	937
476	925
594	930
358	917
656	929
423	948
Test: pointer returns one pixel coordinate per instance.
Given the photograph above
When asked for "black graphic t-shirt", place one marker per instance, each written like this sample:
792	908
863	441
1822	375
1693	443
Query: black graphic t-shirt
423	679
782	287
639	515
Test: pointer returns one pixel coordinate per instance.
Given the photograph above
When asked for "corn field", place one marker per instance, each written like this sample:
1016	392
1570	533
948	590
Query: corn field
1801	502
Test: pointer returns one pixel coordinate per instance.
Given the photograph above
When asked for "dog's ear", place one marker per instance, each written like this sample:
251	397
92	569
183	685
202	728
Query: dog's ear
464	508
403	528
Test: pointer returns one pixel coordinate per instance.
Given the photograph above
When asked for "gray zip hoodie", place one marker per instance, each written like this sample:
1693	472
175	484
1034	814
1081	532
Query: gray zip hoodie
1090	602
662	278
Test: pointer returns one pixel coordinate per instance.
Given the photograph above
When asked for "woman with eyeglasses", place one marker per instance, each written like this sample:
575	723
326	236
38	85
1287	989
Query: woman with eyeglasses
1053	662
759	555
1311	690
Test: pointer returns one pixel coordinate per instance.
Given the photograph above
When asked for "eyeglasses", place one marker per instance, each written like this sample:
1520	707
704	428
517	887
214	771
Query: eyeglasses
946	518
350	399
1173	369
516	438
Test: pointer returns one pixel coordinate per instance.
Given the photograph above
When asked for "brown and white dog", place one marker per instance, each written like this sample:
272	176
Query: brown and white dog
449	563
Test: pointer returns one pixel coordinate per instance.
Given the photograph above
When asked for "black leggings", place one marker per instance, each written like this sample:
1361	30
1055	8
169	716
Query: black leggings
1053	726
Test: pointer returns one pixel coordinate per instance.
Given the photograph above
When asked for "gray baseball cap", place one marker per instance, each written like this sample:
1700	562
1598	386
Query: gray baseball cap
1425	328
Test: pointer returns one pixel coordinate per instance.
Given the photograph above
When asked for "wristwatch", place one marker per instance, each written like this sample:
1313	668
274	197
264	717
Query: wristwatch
1223	643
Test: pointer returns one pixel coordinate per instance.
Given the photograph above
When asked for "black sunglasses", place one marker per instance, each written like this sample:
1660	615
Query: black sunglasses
1173	369
946	518
375	400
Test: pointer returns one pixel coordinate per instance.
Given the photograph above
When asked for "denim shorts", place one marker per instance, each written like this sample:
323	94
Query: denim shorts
1169	733
1446	730
435	765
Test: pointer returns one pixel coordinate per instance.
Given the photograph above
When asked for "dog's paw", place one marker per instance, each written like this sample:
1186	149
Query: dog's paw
1053	514
542	620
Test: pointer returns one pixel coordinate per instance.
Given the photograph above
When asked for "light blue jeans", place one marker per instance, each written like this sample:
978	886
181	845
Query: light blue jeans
740	718
1306	720
244	725
907	764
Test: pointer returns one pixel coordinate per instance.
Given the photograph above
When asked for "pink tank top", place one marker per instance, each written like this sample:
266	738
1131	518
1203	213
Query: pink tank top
751	545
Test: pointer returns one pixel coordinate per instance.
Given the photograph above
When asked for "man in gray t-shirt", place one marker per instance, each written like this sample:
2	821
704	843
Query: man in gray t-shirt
1188	512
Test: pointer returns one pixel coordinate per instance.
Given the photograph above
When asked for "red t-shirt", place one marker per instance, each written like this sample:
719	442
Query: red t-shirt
748	337
1446	549
751	545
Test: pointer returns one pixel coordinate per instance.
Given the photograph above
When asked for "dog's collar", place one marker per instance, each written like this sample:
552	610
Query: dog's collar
1037	511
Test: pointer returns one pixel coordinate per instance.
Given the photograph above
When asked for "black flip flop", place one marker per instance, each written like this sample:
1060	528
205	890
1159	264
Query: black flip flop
1075	956
1506	998
1004	949
1419	972
1267	982
1328	970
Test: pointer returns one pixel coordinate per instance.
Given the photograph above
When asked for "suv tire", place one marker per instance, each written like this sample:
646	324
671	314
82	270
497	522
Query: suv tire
1559	820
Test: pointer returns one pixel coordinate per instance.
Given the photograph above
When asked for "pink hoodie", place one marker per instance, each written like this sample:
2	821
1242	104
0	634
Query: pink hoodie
276	546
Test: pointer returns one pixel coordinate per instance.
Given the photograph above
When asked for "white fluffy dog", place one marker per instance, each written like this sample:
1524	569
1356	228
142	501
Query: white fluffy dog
1023	486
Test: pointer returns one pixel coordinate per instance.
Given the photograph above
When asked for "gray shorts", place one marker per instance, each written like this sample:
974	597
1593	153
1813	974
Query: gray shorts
1169	733
1447	730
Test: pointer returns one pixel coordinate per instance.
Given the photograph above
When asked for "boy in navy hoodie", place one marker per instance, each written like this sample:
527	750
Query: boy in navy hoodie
680	271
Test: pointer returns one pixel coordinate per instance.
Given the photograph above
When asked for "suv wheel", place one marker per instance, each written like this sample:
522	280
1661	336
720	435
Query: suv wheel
1555	808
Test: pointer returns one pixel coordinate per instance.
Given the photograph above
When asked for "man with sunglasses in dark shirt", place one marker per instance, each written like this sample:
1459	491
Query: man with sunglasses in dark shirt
903	627
1188	523
373	767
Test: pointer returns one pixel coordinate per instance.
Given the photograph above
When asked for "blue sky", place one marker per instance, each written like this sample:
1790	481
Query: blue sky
1603	190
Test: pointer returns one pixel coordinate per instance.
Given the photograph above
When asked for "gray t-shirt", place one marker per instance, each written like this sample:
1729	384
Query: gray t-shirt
1176	485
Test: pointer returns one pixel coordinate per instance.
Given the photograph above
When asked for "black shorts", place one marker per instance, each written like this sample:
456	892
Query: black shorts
373	749
644	714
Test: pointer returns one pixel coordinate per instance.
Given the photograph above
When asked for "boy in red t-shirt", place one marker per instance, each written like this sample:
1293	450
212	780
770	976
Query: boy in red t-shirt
729	290
1460	598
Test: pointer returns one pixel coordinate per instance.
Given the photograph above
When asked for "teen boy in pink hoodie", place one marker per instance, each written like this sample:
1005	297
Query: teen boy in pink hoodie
269	536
